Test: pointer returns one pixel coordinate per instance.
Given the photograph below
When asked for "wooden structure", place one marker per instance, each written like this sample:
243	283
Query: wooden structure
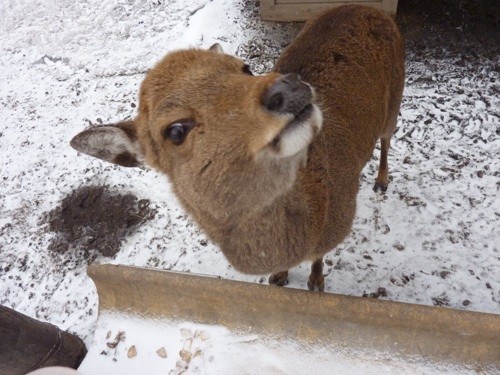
27	344
301	10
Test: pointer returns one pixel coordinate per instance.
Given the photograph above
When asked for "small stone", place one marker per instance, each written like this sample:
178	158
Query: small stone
119	337
132	352
382	292
162	352
444	274
185	355
204	335
399	247
112	344
466	302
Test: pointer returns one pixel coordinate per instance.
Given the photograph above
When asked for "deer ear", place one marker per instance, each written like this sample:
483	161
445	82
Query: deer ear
216	48
116	143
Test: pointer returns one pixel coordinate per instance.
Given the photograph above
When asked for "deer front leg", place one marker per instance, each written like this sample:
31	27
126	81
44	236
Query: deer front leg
316	278
279	279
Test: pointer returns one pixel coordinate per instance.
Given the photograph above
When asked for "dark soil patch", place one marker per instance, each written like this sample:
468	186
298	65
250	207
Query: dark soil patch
95	218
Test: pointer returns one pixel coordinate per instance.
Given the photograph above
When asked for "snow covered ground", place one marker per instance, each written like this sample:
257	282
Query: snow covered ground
432	239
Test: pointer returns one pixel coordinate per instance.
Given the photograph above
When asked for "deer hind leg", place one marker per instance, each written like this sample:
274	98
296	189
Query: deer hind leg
279	279
316	278
383	170
390	126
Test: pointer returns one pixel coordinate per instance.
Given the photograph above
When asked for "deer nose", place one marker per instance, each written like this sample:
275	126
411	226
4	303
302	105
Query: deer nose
288	94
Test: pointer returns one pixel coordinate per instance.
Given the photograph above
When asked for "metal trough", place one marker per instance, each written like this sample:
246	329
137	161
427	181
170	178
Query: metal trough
400	330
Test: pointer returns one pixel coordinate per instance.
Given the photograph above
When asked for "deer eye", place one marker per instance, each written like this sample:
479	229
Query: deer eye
178	131
246	70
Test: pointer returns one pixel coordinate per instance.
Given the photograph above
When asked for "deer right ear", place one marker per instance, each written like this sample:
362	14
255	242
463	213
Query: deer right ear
117	144
216	48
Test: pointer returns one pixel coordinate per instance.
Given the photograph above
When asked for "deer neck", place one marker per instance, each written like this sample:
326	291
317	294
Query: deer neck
251	193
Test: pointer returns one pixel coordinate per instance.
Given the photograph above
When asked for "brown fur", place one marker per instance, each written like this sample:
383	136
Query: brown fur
354	58
267	213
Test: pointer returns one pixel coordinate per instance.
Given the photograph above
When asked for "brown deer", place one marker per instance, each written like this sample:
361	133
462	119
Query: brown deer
269	165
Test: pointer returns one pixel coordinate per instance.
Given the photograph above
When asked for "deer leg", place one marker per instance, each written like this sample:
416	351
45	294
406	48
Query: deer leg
316	278
279	279
383	170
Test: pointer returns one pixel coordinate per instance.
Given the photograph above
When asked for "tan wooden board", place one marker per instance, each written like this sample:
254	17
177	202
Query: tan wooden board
301	10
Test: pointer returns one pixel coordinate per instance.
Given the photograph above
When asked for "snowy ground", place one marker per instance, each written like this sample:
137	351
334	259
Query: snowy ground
432	239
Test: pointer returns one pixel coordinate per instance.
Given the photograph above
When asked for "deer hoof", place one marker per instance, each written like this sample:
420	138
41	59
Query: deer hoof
316	284
380	185
279	279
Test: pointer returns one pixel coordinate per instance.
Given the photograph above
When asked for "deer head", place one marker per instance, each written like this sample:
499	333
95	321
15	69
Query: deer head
229	141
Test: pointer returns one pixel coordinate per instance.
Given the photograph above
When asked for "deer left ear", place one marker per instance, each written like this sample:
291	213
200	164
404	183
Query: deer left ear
216	48
117	144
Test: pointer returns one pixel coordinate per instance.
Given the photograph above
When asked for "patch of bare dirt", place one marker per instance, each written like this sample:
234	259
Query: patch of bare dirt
96	219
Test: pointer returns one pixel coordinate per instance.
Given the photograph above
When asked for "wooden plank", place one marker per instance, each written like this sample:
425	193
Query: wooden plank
325	1
302	10
390	6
